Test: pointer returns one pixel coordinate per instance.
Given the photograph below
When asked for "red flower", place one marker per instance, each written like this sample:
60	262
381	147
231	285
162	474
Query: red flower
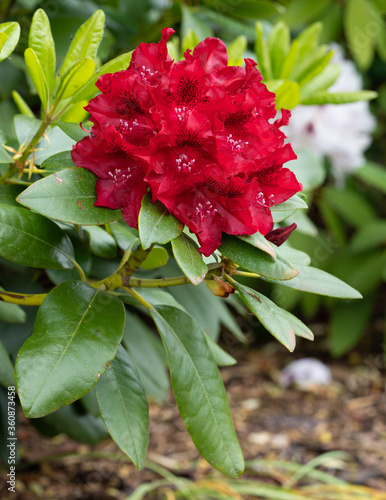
197	133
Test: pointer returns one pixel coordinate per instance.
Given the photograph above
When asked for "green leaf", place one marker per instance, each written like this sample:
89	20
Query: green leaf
22	106
12	32
77	332
301	12
73	130
8	194
86	41
101	242
57	163
301	330
35	71
269	315
156	224
295	256
309	170
256	261
322	81
84	428
347	325
7	378
353	207
255	9
3	39
74	78
124	407
325	97
257	240
199	390
221	357
369	236
287	208
373	174
189	259
278	44
358	19
236	50
189	41
287	93
262	53
316	65
147	352
42	43
190	21
157	257
313	280
309	40
68	196
123	235
11	313
290	60
31	240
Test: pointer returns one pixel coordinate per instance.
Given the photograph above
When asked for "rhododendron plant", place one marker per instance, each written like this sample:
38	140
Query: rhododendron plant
201	135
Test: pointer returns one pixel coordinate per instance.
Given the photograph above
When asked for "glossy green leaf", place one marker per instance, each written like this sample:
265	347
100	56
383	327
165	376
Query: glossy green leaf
269	315
147	352
68	196
75	77
31	240
318	63
199	390
77	332
290	60
101	242
189	259
73	130
86	41
41	42
287	208
373	174
221	357
157	257
22	106
124	407
3	39
9	193
6	367
300	329
325	97
56	163
123	235
313	280
358	23
36	74
309	171
287	93
257	240
369	236
262	53
11	313
278	45
156	224
12	32
256	261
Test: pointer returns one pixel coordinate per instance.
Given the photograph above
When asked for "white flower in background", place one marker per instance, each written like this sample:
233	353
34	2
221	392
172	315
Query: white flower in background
340	132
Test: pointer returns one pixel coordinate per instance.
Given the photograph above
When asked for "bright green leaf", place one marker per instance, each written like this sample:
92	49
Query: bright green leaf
73	130
221	357
42	43
255	260
124	407
68	196
35	71
262	53
236	51
189	41
278	44
156	224
290	60
77	332
199	390
32	240
12	32
320	82
257	240
325	97
189	259
358	20
3	39
74	78
86	41
287	93
287	208
295	256
22	106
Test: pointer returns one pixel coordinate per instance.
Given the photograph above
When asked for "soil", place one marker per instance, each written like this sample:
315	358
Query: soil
290	424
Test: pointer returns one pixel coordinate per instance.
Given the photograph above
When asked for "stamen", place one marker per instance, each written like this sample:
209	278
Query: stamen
184	164
261	200
120	177
205	210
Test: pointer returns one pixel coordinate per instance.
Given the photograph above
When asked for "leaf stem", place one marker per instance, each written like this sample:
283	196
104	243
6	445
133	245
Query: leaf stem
80	270
23	299
155	283
246	274
139	298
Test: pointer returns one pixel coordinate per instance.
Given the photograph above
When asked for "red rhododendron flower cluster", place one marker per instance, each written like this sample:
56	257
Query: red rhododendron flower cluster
199	134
